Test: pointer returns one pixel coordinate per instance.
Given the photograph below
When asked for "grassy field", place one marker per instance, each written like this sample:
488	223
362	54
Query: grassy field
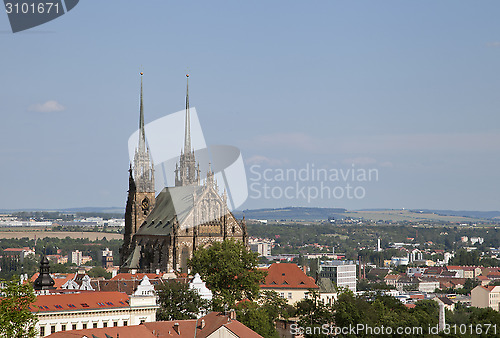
406	215
31	234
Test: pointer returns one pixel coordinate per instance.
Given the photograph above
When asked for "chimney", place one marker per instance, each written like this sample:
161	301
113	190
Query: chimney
305	269
157	271
232	314
202	325
177	328
134	271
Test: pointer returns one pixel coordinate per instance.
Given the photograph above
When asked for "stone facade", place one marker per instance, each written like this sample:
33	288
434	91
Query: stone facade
179	220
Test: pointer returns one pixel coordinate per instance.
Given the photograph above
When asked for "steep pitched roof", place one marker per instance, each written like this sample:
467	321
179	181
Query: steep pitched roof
287	276
170	202
79	301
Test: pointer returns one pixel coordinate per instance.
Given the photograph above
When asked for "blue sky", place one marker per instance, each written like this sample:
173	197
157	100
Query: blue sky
408	88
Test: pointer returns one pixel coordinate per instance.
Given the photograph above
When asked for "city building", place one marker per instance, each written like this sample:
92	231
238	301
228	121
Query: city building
486	296
87	309
18	253
341	273
213	325
263	248
76	257
397	261
327	292
289	281
162	232
201	289
107	258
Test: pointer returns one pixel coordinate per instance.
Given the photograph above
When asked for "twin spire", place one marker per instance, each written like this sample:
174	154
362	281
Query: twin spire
187	172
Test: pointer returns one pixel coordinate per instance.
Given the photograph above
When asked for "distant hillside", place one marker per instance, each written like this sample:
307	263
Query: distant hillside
463	213
292	213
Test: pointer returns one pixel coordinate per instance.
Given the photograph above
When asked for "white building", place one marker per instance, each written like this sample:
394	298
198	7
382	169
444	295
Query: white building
261	247
93	309
199	286
342	273
479	240
76	257
397	261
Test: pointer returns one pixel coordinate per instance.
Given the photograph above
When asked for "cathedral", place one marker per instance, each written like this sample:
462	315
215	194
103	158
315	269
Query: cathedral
162	232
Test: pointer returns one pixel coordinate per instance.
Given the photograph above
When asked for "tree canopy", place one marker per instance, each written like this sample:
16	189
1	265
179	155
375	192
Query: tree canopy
230	271
16	319
178	302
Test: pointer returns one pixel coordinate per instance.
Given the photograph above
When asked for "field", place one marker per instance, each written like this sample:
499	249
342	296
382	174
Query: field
407	215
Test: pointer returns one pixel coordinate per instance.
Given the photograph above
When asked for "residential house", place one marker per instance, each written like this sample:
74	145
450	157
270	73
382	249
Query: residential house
289	281
486	296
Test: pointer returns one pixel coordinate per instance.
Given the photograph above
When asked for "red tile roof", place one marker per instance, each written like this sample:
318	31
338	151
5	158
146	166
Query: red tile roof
84	300
190	328
133	331
287	276
59	278
17	249
139	276
176	328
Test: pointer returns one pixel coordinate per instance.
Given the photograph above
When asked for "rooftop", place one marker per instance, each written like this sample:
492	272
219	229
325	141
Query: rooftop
84	300
287	276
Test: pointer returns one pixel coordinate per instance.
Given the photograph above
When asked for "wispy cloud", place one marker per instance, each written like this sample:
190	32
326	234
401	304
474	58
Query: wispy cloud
362	148
360	160
493	44
297	140
47	107
259	159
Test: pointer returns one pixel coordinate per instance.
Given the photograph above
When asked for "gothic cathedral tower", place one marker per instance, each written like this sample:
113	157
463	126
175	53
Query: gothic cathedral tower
141	192
187	172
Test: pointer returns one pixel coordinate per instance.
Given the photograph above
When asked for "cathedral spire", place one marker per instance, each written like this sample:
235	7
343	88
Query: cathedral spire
187	173
142	133
187	130
143	163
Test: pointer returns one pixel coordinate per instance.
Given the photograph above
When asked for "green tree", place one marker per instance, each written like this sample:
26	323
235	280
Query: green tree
256	318
313	313
230	271
99	271
261	316
16	319
178	302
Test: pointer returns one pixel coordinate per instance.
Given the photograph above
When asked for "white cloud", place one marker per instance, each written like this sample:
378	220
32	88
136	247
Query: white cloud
47	107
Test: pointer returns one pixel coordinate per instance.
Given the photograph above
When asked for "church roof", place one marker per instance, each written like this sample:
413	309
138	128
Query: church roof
170	202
